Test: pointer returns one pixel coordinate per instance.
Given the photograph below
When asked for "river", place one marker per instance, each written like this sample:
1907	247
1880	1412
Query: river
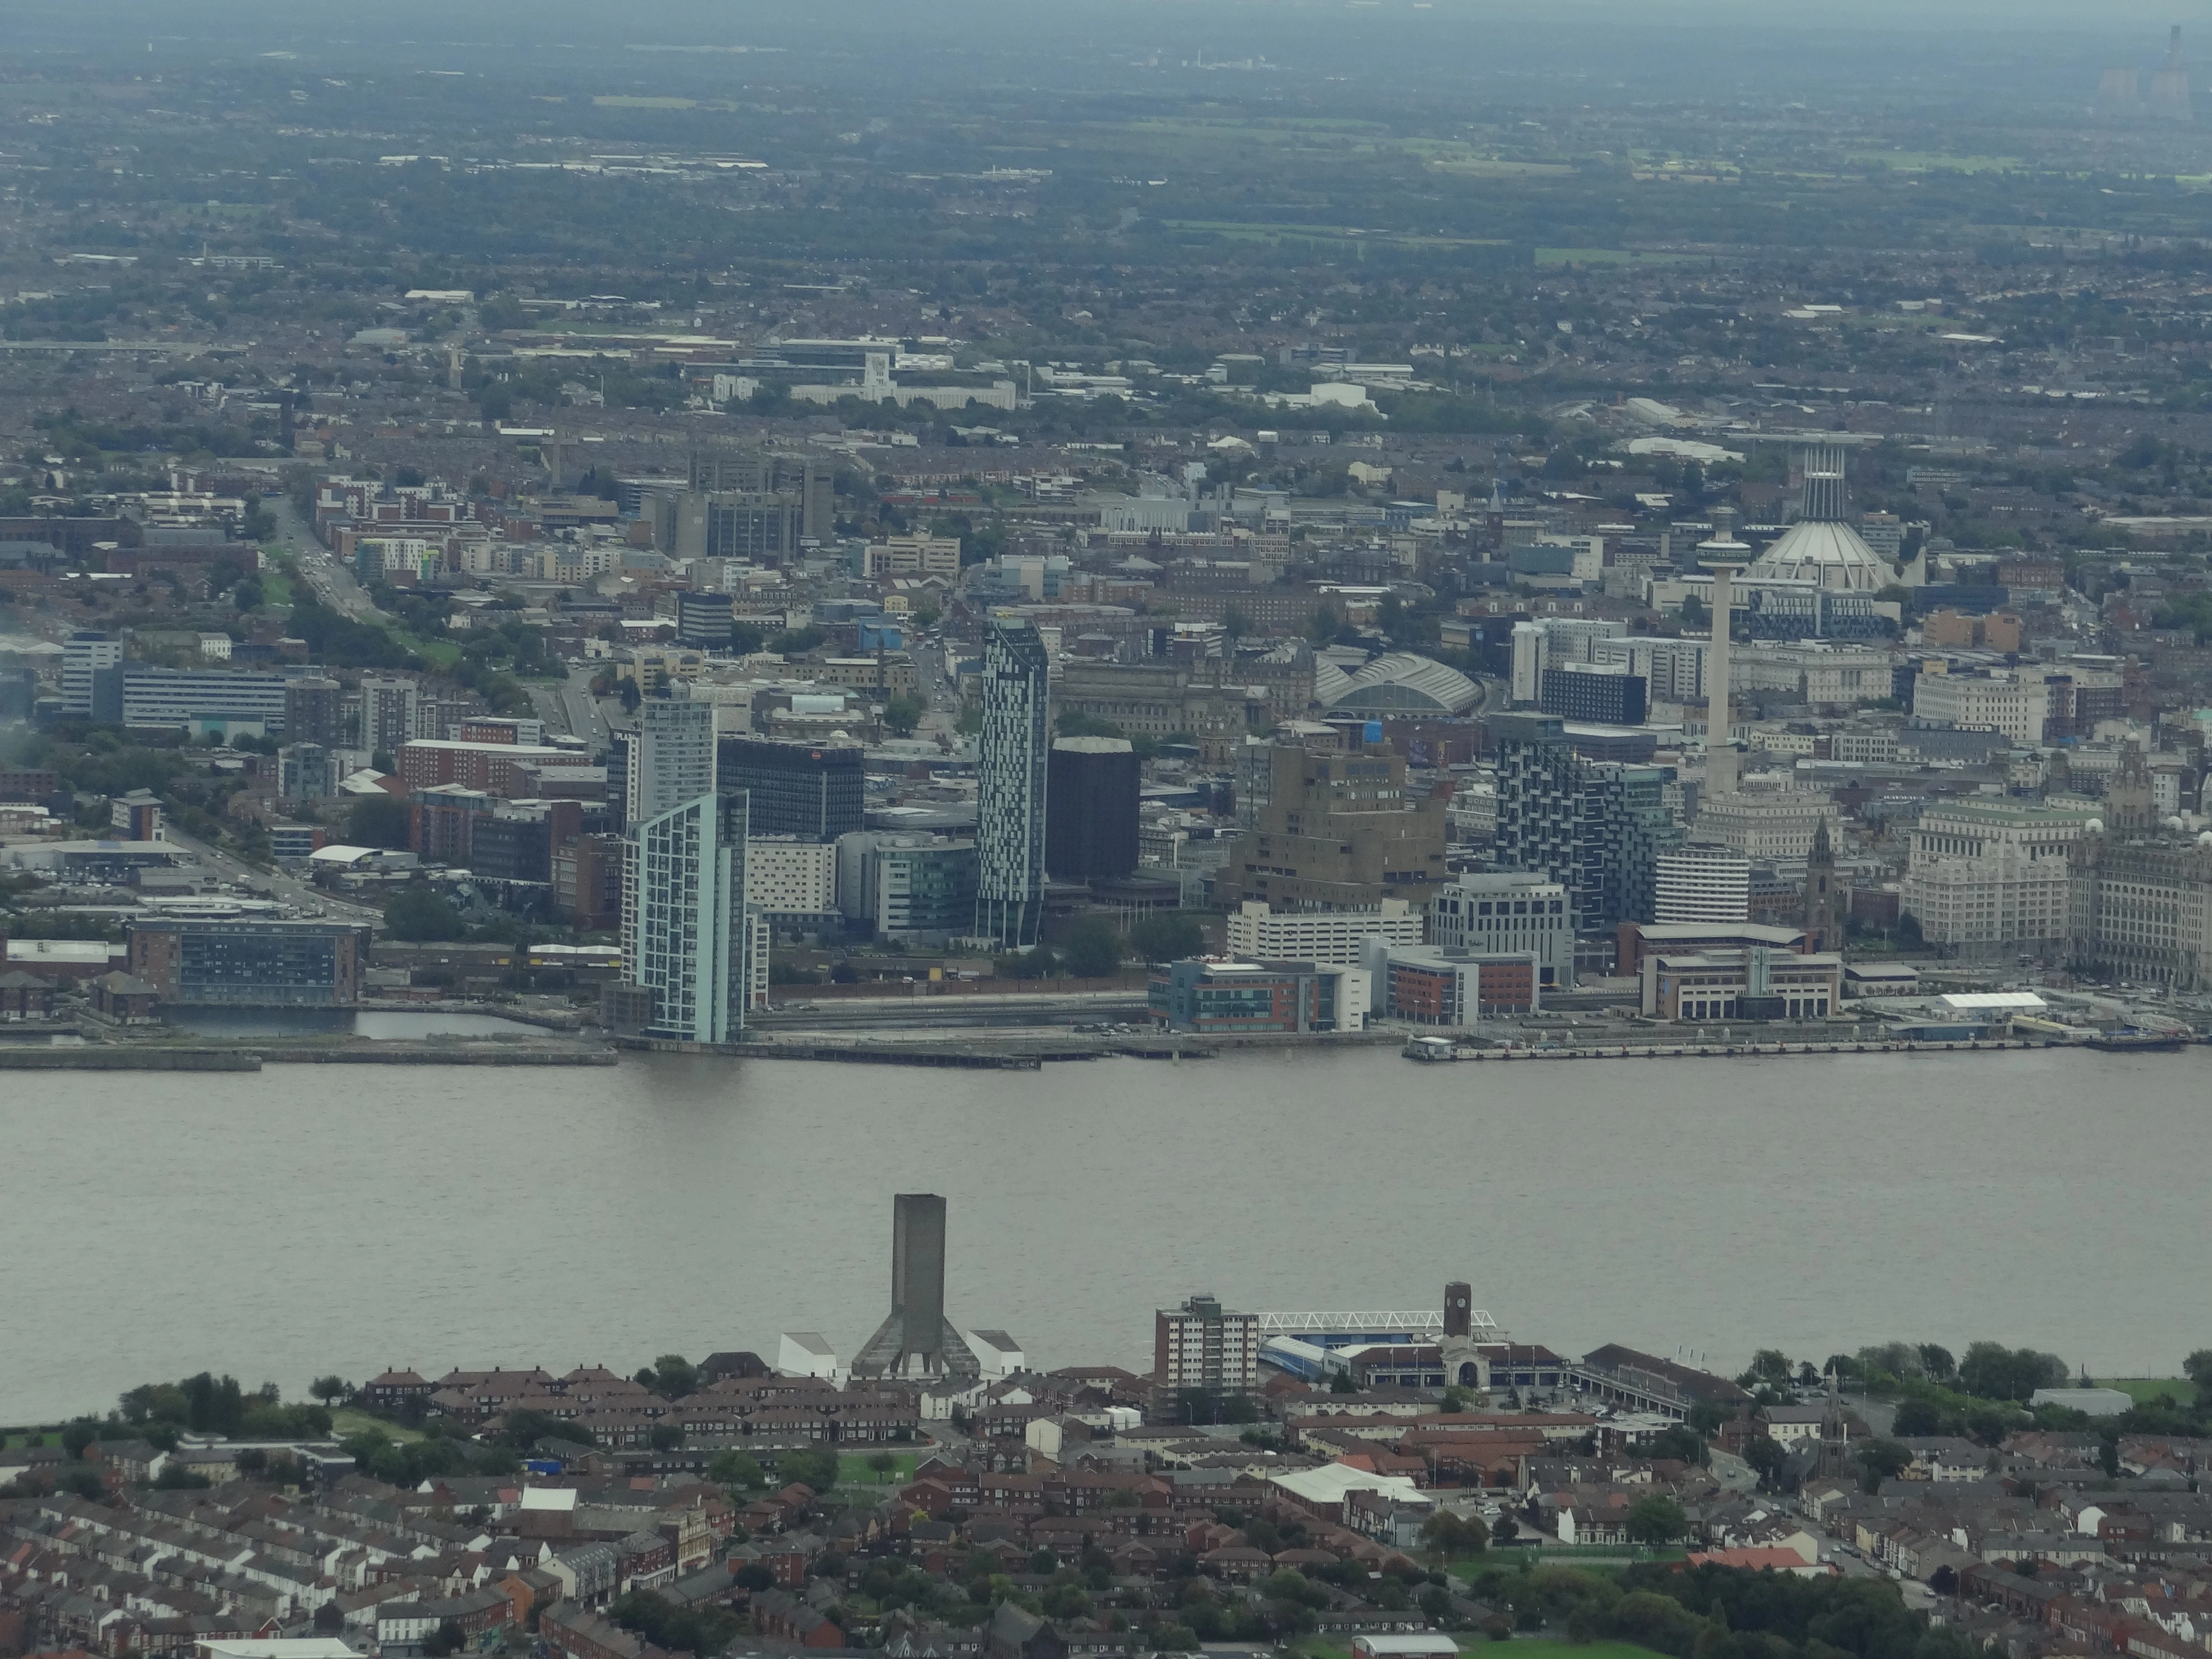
307	1219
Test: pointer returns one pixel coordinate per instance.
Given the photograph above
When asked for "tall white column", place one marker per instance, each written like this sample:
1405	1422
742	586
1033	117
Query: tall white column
1723	555
1720	743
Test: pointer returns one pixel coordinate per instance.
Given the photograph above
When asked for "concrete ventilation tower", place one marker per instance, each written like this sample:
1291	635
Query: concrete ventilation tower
917	1340
2117	98
1724	556
2169	99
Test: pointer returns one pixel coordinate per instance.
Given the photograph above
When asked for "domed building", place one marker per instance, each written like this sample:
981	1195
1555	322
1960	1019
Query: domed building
1830	554
1821	547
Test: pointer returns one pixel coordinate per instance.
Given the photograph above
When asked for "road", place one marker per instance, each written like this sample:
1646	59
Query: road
572	708
331	582
279	886
941	715
951	1015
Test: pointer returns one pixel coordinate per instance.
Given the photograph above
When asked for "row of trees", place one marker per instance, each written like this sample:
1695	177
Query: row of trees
207	1404
1715	1613
1093	948
1988	1371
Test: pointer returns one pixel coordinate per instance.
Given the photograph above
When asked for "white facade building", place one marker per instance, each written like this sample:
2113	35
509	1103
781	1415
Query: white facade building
1674	671
1549	641
1703	882
164	697
1999	702
686	934
1328	938
1471	818
1992	875
82	655
1508	915
1827	675
785	877
756	944
805	1353
1768	829
1865	745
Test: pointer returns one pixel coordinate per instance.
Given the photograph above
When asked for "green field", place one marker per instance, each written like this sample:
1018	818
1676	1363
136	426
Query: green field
1483	166
345	1421
1545	1648
853	1470
1928	161
1244	230
439	653
2142	1388
1611	256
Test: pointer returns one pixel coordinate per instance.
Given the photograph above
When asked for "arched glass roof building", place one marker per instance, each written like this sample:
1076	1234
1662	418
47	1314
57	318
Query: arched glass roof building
1402	683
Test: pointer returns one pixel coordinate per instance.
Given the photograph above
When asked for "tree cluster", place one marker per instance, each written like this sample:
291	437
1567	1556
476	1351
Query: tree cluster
1718	1612
207	1404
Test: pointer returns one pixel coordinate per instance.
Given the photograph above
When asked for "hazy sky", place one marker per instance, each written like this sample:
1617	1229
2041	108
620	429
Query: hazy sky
2033	57
520	20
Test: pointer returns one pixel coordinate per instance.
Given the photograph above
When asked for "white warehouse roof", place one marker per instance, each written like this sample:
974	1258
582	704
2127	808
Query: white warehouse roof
1331	1481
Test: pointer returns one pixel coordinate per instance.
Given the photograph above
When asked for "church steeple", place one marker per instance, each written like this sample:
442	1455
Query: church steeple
1824	922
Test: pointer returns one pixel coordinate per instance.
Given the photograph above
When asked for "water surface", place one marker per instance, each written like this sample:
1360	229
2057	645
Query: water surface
307	1219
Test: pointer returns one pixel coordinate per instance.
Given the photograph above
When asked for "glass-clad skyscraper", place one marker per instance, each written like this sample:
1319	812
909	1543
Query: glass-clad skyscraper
1010	785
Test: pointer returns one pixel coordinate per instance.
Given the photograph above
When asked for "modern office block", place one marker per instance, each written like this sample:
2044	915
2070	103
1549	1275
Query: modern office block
1597	826
702	621
83	654
1496	915
815	792
1091	794
390	714
1537	776
1623	824
306	771
182	698
1703	882
315	711
1603	693
1202	996
250	964
617	770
